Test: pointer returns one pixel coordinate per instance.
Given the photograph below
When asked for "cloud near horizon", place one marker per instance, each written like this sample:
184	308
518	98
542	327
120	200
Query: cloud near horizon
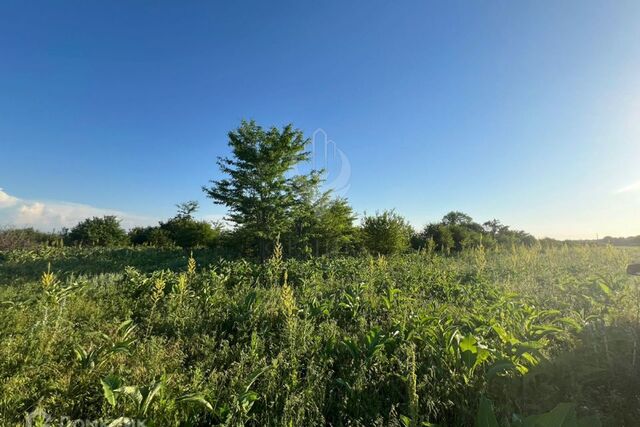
55	215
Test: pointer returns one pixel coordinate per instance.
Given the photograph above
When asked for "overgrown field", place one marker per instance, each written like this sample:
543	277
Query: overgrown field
417	339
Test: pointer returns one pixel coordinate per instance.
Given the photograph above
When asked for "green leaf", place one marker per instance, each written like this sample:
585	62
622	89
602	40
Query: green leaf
254	376
499	367
109	386
132	392
468	350
563	415
81	353
483	355
485	416
247	399
605	289
196	398
571	322
468	343
542	330
504	336
152	392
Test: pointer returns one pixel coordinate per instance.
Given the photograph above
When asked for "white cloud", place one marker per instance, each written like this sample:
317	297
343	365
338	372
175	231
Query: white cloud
6	200
54	215
629	188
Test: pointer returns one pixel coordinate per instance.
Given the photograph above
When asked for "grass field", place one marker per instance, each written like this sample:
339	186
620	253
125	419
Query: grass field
419	339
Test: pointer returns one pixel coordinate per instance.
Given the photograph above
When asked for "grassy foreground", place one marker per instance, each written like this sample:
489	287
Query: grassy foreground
418	339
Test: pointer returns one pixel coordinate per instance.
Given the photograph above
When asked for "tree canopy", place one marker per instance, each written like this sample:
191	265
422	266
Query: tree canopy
258	189
105	231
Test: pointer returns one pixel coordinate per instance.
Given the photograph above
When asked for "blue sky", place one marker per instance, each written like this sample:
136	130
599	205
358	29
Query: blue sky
524	111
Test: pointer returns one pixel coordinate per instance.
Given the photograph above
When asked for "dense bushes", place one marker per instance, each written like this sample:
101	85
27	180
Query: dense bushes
150	236
318	227
26	238
187	232
385	233
457	231
105	231
622	241
409	340
183	232
190	233
321	227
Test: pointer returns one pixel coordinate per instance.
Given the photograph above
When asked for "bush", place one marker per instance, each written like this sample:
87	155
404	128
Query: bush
457	231
441	235
150	236
187	232
386	233
105	231
25	238
350	342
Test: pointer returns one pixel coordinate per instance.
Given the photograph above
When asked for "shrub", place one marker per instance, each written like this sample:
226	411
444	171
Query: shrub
150	236
386	233
105	231
25	238
187	232
441	235
320	227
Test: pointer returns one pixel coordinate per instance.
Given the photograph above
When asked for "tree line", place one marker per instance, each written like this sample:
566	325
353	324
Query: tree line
267	203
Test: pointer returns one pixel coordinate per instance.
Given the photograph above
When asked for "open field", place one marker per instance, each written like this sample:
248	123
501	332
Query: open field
417	339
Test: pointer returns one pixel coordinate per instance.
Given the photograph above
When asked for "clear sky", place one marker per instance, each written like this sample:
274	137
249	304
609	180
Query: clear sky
524	111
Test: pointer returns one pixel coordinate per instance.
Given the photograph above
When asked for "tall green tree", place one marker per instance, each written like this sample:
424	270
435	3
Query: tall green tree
386	233
259	190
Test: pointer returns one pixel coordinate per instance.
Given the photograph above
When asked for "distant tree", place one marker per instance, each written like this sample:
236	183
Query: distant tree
495	227
105	231
187	209
187	232
336	232
501	234
259	194
457	231
386	233
621	241
321	227
512	237
441	235
25	238
457	218
150	236
466	236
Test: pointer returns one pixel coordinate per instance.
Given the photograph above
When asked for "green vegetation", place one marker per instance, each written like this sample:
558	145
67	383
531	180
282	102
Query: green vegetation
413	339
26	238
296	316
185	231
261	198
105	231
386	233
